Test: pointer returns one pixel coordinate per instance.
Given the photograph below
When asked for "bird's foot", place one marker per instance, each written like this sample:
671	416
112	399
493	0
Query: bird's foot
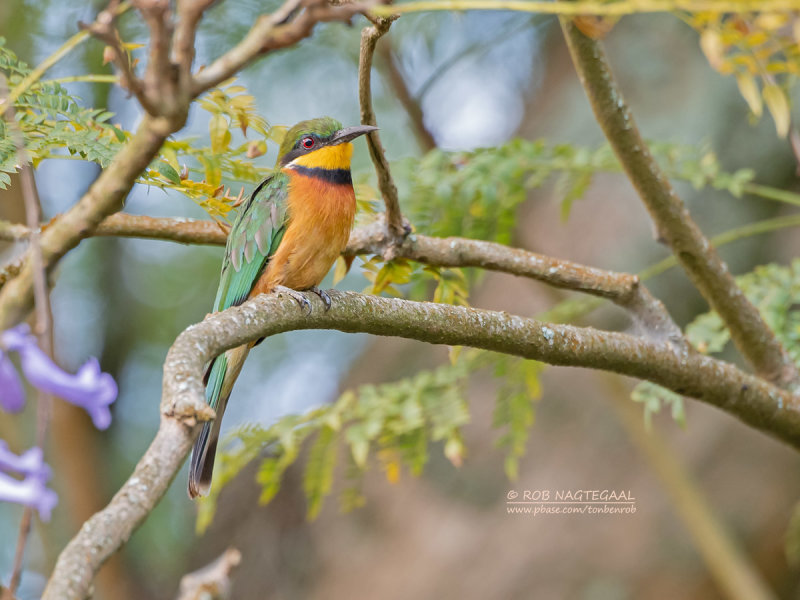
323	295
298	297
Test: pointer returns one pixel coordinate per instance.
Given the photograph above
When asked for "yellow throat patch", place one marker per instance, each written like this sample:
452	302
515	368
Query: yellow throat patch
328	157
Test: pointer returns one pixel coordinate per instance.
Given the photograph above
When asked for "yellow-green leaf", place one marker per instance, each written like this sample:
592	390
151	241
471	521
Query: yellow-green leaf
212	169
277	133
339	270
778	105
256	148
171	157
713	47
219	133
168	172
319	470
748	88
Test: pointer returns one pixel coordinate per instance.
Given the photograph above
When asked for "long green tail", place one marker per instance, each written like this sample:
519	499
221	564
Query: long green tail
219	382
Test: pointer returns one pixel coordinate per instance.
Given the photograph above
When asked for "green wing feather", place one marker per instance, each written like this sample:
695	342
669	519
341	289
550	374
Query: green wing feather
254	238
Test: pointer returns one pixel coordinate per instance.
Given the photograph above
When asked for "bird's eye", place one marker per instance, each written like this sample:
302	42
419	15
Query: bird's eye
308	143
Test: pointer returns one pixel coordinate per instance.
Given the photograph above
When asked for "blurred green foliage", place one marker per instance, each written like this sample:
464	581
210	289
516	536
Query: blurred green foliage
395	423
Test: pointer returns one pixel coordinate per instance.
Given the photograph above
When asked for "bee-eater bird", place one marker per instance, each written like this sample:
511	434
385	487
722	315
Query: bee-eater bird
288	234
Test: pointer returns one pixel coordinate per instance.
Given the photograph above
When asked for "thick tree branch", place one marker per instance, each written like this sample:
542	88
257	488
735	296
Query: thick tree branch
187	231
106	531
708	272
394	217
753	400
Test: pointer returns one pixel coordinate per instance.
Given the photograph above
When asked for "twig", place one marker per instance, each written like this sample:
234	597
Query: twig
212	582
586	7
410	103
160	79
43	328
732	235
271	32
369	38
794	143
749	398
728	565
103	29
183	52
710	275
48	62
504	34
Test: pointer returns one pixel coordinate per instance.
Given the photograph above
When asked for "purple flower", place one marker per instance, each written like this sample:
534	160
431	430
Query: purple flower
89	388
32	489
12	398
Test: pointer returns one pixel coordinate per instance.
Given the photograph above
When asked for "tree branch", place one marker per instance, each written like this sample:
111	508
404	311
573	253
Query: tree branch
589	7
212	582
103	29
410	103
190	12
173	229
753	400
623	289
160	78
273	31
187	231
394	218
756	342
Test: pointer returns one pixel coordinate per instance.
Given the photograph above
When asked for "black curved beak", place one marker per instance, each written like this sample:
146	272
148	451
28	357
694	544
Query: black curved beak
350	133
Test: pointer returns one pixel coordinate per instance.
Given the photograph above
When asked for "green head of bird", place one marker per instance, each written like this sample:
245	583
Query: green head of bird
319	143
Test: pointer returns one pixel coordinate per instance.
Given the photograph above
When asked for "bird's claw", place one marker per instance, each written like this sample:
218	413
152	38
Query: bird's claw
298	297
323	295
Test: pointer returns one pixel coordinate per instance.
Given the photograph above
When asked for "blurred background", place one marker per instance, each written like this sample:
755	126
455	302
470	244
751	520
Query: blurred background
479	80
